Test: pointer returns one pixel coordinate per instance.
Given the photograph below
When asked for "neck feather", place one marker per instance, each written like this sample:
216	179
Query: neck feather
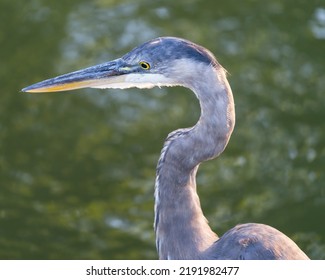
182	232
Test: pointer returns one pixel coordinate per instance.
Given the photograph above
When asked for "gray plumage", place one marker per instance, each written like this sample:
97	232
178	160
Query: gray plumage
182	232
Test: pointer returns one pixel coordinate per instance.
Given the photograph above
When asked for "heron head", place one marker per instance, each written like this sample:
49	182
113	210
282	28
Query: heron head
165	61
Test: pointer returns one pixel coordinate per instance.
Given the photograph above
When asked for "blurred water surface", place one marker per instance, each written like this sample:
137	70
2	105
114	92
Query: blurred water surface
77	170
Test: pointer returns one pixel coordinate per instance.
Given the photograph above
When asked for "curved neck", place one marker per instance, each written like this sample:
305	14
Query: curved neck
182	231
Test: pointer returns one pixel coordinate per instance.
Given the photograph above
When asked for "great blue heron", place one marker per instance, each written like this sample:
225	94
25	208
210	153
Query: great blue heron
182	232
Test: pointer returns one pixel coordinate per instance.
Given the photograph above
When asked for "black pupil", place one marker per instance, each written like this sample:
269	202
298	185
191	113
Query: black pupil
144	65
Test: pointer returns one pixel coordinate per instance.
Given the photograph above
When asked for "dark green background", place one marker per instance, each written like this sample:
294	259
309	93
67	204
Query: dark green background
77	170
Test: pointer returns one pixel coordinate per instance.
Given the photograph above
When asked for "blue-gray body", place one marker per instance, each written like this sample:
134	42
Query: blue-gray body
182	232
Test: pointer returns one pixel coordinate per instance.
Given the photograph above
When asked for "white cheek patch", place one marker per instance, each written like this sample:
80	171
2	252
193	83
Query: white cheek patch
134	80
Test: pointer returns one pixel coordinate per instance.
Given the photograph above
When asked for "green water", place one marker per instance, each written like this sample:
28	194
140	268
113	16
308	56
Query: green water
77	170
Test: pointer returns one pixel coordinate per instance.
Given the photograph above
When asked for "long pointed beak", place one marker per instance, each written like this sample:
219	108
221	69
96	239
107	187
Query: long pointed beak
109	75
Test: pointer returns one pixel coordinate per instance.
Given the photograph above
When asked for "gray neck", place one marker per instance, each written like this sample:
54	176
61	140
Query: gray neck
182	232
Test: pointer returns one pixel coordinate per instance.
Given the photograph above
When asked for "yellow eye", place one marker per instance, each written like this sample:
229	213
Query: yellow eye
144	65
